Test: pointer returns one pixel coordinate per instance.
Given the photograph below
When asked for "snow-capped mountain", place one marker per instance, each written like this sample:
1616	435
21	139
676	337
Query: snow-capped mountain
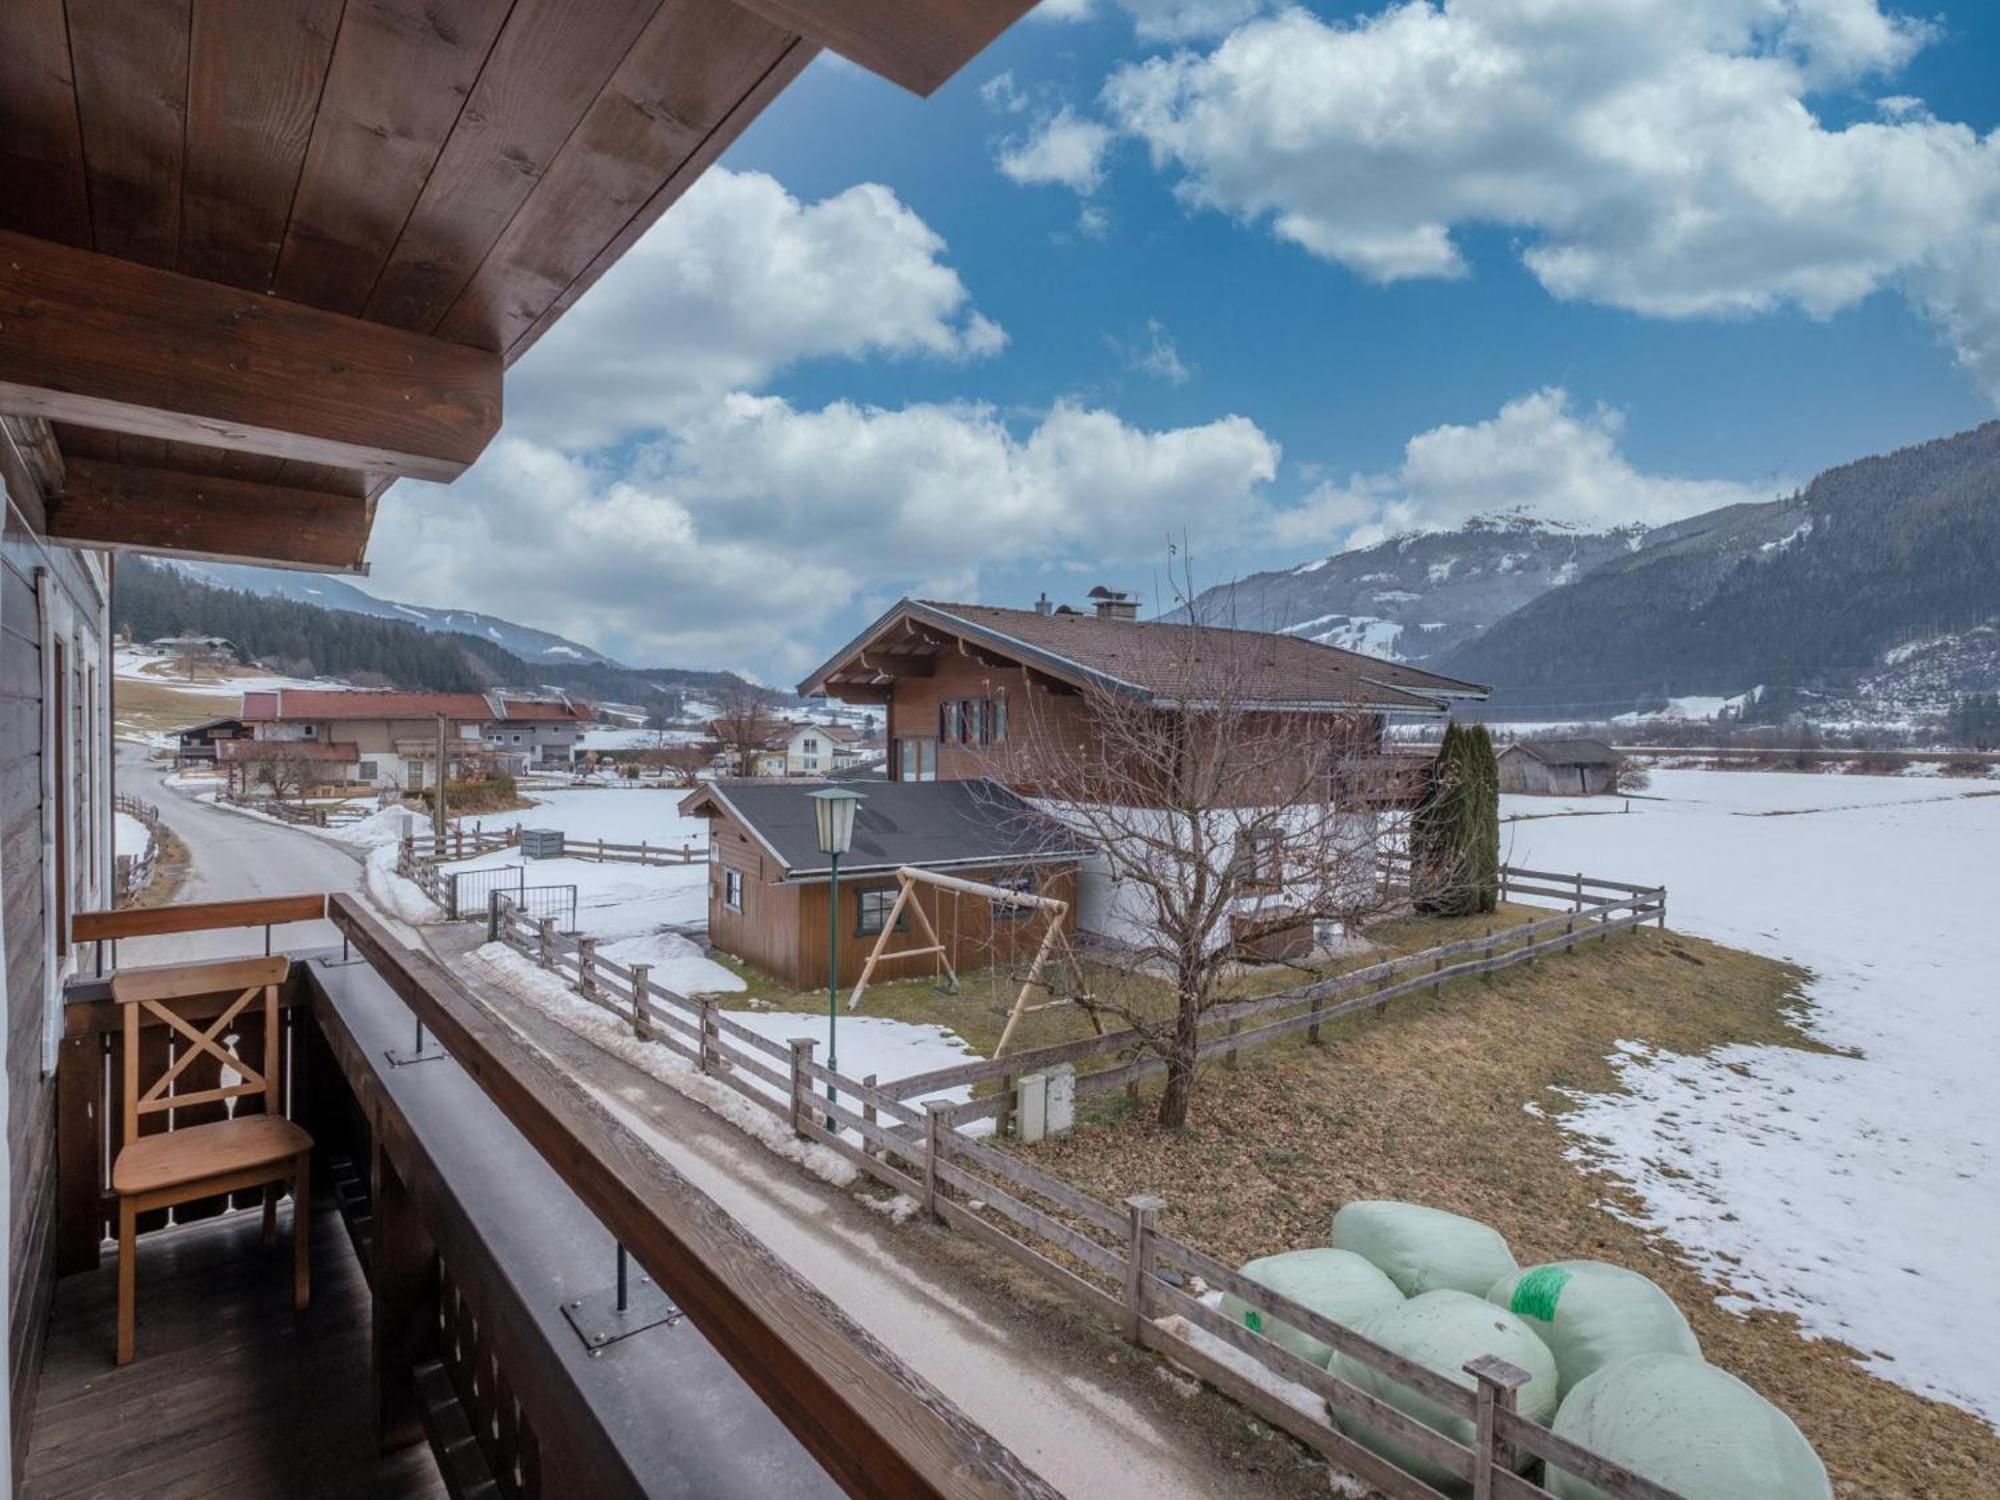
328	592
1414	597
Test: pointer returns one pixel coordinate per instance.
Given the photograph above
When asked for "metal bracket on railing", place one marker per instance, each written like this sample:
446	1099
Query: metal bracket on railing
426	1050
629	1305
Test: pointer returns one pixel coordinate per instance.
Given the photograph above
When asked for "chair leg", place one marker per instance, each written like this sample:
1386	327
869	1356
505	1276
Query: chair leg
128	1276
302	1232
271	1190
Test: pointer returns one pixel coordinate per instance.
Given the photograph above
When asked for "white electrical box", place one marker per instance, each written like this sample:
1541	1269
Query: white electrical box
1062	1098
1031	1106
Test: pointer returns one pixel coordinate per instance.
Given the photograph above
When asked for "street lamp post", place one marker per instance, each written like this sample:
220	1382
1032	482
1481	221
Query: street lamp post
833	813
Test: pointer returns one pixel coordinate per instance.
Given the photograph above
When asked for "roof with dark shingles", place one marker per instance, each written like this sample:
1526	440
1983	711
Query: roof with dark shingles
935	824
1153	656
1567	752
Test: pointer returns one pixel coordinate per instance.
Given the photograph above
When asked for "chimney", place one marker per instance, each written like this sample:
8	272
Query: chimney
1113	605
1043	607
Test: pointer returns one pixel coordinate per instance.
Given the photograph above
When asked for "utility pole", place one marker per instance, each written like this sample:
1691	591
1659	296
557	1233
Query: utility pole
437	788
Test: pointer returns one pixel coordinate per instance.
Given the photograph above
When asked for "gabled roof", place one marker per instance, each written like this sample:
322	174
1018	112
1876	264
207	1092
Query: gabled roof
936	824
282	705
1153	659
1571	752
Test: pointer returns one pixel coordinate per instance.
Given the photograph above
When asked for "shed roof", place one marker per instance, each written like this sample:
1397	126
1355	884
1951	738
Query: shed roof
934	824
1159	658
1571	752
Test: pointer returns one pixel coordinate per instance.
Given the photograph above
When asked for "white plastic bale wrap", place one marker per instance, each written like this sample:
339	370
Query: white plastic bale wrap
1424	1249
1445	1331
1593	1314
1336	1284
1691	1427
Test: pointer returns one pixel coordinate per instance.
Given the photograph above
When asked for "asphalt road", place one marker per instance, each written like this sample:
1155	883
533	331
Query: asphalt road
233	857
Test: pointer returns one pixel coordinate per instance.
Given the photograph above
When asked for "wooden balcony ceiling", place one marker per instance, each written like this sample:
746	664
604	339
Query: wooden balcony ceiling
259	258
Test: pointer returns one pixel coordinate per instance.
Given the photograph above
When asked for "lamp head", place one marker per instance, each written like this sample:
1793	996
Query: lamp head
833	811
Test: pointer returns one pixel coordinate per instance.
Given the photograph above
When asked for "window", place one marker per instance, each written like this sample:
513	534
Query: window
366	771
1025	884
1260	860
732	889
950	721
974	721
309	730
874	911
809	746
916	760
996	721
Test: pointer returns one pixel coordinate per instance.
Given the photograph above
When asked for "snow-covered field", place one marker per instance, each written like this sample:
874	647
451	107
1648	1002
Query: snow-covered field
145	664
1861	1193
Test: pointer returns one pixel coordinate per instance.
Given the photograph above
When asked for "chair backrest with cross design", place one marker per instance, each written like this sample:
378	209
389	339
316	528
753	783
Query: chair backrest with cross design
145	992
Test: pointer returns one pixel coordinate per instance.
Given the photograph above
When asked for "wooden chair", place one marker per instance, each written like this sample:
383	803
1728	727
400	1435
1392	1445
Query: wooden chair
224	1156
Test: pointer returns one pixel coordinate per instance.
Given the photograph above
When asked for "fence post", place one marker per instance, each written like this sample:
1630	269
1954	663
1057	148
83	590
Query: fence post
641	1027
1663	908
867	1108
704	1020
586	967
493	916
1488	975
1312	1031
934	1129
802	1051
1494	1452
545	941
1503	883
1229	1057
1579	891
1142	1213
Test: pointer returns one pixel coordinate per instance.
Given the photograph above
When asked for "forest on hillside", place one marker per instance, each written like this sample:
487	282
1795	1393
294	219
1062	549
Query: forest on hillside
151	600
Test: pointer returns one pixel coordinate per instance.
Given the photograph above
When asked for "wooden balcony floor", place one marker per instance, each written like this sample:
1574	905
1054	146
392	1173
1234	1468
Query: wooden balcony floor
231	1395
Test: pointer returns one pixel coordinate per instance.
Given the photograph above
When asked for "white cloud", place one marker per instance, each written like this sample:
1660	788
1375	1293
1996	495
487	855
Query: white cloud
1160	20
756	523
1155	354
1656	155
738	282
1538	454
1063	149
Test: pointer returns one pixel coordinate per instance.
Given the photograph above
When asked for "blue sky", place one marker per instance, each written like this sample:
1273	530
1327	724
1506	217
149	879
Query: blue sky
1638	298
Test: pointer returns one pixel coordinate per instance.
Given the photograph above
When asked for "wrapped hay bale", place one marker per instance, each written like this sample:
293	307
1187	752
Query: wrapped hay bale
1336	1284
1424	1249
1691	1427
1443	1331
1592	1314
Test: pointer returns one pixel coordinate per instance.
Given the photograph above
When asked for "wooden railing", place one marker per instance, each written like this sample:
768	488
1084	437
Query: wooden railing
875	1426
132	873
1112	1259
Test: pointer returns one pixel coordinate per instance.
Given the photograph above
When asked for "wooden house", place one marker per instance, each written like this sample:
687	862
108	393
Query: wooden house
769	884
960	681
195	745
364	737
1559	768
257	262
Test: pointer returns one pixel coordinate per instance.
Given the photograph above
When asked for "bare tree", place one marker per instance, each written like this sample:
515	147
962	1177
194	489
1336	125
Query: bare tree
282	765
678	765
745	722
1221	818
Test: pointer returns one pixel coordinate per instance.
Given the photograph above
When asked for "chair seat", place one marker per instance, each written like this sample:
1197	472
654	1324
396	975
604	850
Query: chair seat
176	1157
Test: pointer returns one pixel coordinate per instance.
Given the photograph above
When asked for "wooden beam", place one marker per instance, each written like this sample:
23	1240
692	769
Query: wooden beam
126	508
916	43
884	665
106	343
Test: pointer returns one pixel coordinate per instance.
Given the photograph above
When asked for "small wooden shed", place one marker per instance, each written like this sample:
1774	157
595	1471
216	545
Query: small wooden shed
1559	768
767	895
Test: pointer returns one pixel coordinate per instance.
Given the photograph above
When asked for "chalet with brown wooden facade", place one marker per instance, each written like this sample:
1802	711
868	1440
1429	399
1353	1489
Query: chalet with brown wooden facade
769	884
976	690
257	262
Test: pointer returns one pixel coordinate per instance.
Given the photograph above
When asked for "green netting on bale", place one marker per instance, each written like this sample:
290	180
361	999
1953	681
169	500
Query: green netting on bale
1691	1427
1444	1331
1593	1314
1424	1249
1336	1284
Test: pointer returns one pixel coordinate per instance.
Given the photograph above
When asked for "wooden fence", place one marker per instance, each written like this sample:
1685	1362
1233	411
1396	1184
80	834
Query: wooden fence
1113	1259
1228	1028
132	873
463	843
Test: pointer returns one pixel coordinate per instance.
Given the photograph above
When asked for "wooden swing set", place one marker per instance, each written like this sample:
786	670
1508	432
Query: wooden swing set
1054	941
